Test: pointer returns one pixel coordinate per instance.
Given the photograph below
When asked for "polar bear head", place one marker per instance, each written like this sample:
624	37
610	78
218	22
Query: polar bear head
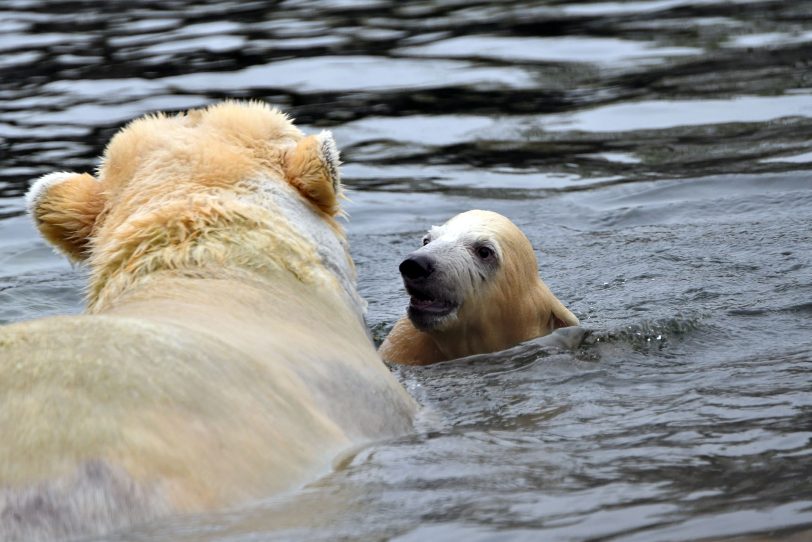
474	286
234	185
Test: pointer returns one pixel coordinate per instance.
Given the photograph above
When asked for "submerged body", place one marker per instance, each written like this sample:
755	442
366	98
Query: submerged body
224	357
474	289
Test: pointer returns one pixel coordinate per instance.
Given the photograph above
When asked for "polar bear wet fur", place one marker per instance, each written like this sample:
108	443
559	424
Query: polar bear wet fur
223	356
474	288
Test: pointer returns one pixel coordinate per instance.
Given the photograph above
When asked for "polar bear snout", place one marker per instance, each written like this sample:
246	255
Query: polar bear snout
430	302
417	267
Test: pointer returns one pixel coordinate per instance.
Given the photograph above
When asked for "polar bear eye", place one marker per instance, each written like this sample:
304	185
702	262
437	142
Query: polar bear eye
484	252
426	240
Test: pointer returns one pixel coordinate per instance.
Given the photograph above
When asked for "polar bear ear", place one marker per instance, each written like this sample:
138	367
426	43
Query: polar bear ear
312	167
561	316
65	207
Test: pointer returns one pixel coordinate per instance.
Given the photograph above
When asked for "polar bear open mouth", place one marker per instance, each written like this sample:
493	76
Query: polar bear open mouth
437	306
427	309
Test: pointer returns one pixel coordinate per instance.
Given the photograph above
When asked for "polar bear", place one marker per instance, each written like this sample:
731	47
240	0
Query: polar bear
223	356
474	288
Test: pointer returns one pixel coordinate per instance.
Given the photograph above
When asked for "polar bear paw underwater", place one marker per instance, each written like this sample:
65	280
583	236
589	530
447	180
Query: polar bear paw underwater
223	356
474	288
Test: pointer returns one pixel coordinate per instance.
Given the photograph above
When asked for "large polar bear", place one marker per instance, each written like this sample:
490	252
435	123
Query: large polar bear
224	356
474	288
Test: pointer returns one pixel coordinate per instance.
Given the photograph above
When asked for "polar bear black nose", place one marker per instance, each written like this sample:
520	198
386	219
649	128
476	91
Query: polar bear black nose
417	266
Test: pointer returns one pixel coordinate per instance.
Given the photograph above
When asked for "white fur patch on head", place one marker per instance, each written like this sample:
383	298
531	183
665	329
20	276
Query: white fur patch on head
483	224
469	229
328	152
41	186
456	270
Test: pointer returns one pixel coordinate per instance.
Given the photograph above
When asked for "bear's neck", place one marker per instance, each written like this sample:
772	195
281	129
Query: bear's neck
495	326
203	302
227	238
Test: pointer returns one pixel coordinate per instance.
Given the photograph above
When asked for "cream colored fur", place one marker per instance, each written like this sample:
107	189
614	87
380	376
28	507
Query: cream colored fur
501	303
223	357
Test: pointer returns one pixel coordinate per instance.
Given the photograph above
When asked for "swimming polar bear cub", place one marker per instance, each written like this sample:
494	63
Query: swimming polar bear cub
474	288
223	356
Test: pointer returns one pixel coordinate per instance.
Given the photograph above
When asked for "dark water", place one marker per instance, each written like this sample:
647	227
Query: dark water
657	153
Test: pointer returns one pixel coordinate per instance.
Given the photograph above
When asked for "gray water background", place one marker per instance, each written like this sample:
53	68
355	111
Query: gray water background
658	154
